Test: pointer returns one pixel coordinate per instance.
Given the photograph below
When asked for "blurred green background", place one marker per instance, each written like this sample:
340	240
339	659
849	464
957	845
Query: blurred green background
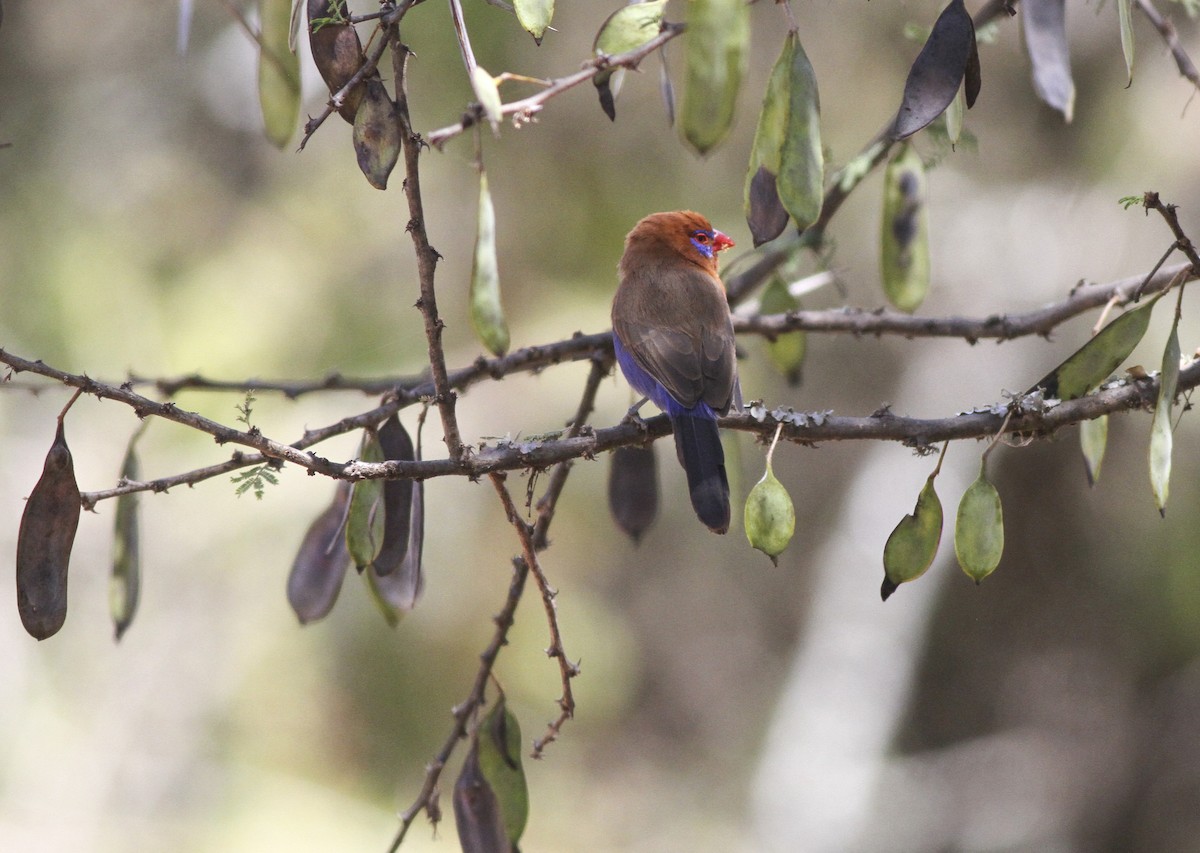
146	226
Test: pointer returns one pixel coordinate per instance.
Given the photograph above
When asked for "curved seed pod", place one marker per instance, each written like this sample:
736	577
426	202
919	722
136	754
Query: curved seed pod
910	549
499	750
397	592
979	529
1093	437
1161	438
787	166
477	813
337	52
534	16
787	350
1125	15
47	533
904	258
364	520
948	56
278	72
377	134
633	490
770	518
320	566
397	498
488	95
487	314
624	30
1096	360
125	583
718	36
1045	26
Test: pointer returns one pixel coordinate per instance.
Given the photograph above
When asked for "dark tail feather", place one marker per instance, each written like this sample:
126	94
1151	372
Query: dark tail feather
698	443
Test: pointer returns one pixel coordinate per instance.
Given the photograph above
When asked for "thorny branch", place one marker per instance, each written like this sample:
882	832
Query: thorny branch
567	670
463	711
541	454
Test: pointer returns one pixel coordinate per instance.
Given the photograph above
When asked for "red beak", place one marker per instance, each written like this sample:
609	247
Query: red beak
721	242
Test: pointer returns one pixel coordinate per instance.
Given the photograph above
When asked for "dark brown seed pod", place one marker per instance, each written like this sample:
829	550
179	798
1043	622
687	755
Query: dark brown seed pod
48	528
397	498
633	489
477	812
337	52
320	566
377	134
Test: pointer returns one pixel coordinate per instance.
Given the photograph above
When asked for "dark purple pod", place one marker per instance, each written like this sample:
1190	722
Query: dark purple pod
633	489
44	543
320	566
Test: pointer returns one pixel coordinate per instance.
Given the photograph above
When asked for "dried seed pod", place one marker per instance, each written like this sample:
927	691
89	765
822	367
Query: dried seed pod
320	566
377	134
337	52
44	544
397	498
633	490
125	583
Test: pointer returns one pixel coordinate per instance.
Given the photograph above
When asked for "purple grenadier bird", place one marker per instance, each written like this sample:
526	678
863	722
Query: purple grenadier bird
673	337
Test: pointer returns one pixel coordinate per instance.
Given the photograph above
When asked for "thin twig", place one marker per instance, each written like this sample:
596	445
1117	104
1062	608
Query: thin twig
525	108
427	256
1166	29
1183	243
464	40
462	712
566	669
558	478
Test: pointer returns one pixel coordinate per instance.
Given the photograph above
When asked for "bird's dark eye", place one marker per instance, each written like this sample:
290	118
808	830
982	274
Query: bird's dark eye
701	237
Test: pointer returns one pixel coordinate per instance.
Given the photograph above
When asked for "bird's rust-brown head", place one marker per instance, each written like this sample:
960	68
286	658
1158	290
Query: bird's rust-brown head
681	232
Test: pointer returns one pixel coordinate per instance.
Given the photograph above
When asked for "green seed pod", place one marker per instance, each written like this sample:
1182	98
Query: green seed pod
914	543
979	529
770	518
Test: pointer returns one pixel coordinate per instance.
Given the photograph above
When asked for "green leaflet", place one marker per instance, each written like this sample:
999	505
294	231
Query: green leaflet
979	528
1161	439
1093	437
910	549
364	522
1125	15
499	739
487	315
718	36
788	349
904	260
787	167
1096	360
125	581
770	518
377	134
624	30
278	72
534	16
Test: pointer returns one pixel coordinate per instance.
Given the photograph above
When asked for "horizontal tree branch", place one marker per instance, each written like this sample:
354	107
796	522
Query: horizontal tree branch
1083	297
539	454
